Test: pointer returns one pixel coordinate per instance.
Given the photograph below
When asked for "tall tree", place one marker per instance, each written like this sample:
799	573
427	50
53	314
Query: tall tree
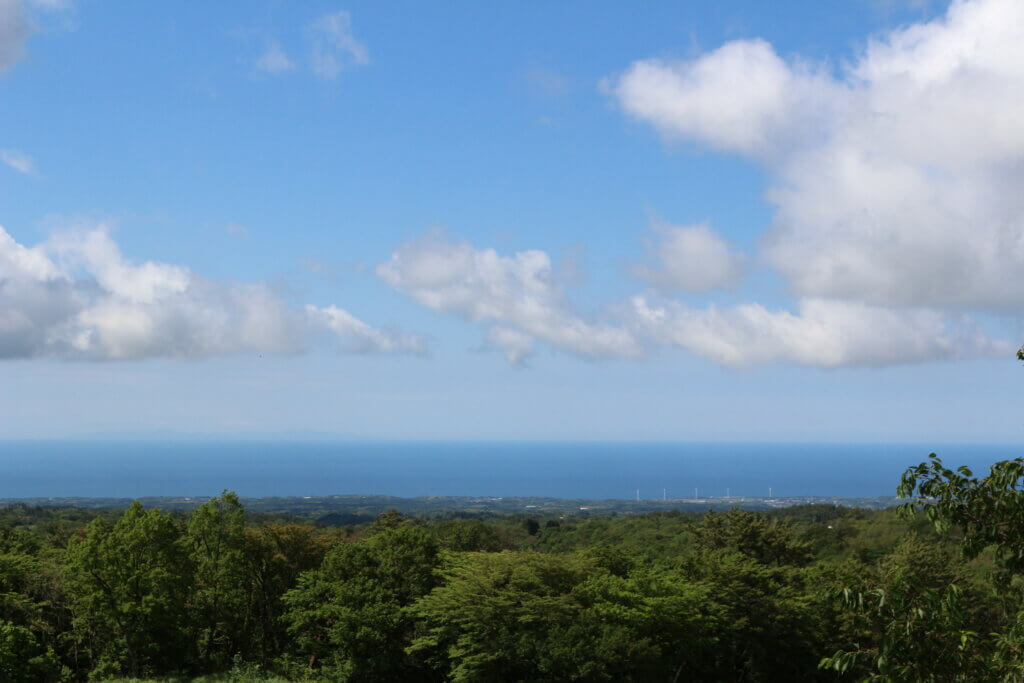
130	583
220	614
349	618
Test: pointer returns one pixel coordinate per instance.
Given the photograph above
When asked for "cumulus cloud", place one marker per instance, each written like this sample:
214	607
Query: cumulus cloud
691	258
897	180
19	161
740	98
517	296
519	301
275	60
76	296
15	29
823	333
334	45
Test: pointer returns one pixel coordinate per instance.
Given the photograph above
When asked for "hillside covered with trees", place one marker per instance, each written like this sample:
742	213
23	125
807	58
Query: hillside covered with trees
807	593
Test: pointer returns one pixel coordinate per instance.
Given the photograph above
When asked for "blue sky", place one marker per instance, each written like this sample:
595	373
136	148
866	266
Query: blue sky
689	221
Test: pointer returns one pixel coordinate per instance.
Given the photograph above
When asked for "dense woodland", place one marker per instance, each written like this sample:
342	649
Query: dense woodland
932	591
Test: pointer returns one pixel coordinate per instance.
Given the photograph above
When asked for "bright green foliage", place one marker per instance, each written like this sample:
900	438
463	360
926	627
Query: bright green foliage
219	614
909	621
768	541
22	658
654	536
19	603
275	555
529	616
348	616
735	596
467	535
130	584
988	516
988	511
754	604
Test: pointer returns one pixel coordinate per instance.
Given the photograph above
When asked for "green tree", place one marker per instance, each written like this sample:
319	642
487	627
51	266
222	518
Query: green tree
766	540
909	621
348	617
219	605
531	616
467	535
768	623
275	556
129	586
987	512
22	658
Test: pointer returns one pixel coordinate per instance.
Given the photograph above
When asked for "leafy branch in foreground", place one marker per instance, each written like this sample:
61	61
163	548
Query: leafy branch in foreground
988	512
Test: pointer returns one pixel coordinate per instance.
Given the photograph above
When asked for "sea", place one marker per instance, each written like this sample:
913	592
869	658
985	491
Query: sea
126	469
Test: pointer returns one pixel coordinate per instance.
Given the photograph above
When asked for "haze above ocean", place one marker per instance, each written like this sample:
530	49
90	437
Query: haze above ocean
31	469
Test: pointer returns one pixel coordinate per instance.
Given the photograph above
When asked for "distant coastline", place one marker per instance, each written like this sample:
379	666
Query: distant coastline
355	509
558	470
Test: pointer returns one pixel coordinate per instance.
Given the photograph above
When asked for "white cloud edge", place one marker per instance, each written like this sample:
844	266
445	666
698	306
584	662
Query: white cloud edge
18	161
274	60
77	297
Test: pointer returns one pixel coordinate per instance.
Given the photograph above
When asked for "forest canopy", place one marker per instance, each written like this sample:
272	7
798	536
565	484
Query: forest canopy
931	591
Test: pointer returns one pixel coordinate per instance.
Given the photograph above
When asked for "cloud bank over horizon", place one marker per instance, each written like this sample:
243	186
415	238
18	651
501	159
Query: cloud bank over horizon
520	303
75	296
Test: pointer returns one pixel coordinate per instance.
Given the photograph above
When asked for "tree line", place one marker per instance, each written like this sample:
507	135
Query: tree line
932	592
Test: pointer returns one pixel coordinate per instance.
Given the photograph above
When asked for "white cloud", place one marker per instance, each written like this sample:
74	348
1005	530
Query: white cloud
76	296
275	60
897	182
517	297
334	47
692	258
516	294
823	333
19	161
15	29
741	97
358	337
515	344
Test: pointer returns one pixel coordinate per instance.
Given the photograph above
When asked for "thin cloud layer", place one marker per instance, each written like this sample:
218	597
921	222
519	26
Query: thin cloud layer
897	182
356	336
19	161
274	60
516	296
334	47
76	296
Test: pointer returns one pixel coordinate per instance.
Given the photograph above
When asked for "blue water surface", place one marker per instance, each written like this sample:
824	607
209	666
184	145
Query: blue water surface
563	470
